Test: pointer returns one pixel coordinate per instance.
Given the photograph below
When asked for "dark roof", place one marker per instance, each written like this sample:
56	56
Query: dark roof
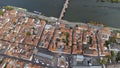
44	55
45	51
88	51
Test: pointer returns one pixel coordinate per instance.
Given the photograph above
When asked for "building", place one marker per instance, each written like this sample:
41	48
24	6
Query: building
78	59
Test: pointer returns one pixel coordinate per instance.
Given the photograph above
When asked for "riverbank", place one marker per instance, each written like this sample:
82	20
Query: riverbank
78	23
53	19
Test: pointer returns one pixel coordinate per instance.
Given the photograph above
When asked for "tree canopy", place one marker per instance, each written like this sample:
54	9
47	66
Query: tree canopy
8	8
103	61
28	33
112	53
1	12
118	56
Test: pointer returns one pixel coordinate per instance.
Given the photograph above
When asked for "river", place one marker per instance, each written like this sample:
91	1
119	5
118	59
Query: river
78	11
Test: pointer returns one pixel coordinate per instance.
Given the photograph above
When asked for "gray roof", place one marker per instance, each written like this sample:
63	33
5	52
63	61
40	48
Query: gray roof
79	57
118	40
115	46
44	55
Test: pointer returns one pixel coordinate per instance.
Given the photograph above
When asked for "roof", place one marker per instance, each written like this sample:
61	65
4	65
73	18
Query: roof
44	55
118	35
80	57
48	27
114	46
118	40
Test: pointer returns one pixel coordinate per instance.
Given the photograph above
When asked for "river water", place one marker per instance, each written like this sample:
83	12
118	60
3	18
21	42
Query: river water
78	11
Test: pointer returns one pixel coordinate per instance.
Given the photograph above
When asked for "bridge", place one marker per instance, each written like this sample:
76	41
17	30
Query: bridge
63	10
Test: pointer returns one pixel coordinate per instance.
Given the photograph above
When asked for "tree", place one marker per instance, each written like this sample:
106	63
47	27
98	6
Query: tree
63	40
67	35
112	39
33	27
28	33
8	8
107	43
14	23
59	28
90	40
112	1
1	61
67	43
112	53
57	39
1	12
108	57
76	25
118	56
103	61
67	40
70	27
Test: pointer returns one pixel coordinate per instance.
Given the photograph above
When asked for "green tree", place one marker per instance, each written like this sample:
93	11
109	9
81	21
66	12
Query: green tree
112	39
28	33
1	12
57	39
8	8
108	57
67	35
76	25
1	61
107	43
70	27
63	40
14	23
118	56
112	53
67	40
103	61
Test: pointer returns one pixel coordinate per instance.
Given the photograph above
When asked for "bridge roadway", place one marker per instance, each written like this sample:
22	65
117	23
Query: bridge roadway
64	10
